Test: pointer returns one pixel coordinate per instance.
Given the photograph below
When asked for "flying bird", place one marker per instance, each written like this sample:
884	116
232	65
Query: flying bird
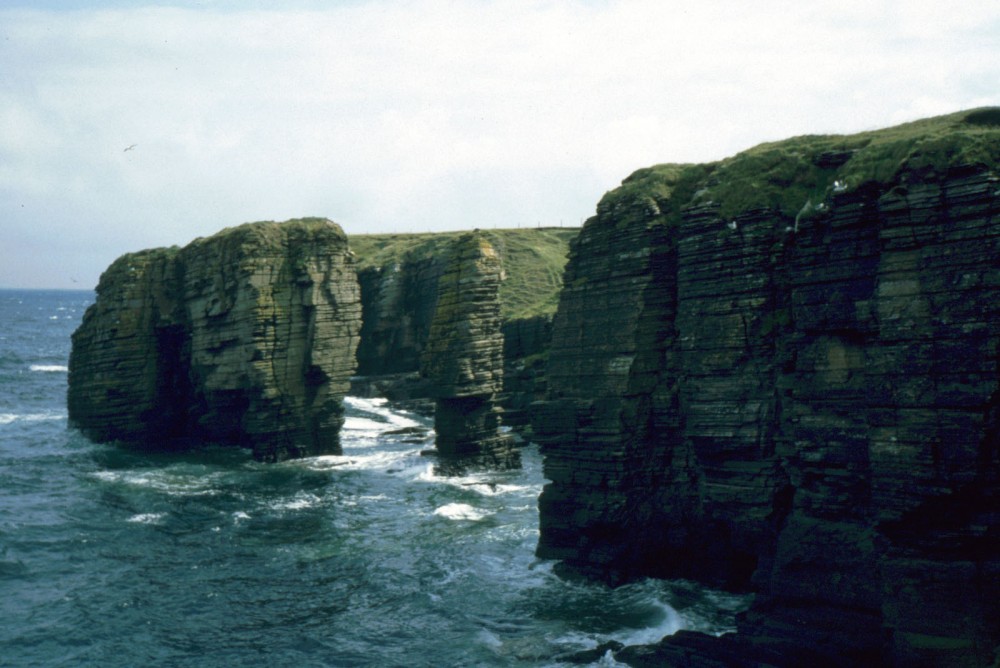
129	148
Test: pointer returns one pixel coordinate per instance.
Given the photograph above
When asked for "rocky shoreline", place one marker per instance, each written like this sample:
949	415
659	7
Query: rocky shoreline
778	373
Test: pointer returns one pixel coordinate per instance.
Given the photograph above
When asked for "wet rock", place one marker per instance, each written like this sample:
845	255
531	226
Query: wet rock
246	337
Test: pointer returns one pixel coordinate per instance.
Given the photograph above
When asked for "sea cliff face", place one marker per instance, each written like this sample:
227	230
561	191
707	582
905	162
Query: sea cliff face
246	337
463	359
780	373
399	275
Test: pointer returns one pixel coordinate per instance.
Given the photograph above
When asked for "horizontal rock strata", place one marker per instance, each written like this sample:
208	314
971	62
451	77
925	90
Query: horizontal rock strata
463	359
247	337
399	273
780	373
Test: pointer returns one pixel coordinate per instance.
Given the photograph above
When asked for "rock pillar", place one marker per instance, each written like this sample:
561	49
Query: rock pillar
463	358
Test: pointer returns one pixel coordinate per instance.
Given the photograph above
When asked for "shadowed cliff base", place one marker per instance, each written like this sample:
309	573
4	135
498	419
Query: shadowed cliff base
244	338
779	373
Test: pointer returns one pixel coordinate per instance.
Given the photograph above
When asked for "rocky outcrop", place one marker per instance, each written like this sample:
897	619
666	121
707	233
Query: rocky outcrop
463	359
780	373
399	273
247	337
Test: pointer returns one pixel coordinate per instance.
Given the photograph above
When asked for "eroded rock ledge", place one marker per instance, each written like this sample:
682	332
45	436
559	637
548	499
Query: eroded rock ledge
780	373
247	337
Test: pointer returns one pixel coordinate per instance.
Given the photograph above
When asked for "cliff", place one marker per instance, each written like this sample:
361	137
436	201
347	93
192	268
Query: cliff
399	273
247	337
463	359
779	373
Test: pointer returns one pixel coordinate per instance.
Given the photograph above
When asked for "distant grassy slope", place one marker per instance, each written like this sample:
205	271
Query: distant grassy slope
533	259
792	174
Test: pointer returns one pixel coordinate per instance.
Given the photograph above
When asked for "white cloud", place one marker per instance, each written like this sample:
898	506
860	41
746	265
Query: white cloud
430	114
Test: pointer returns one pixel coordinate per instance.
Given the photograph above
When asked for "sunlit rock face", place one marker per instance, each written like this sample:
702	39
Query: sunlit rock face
780	373
463	358
247	337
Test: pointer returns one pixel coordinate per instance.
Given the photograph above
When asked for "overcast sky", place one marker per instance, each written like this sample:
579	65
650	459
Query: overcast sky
426	114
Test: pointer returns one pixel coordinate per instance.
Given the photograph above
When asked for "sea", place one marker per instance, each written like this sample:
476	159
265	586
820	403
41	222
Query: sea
116	556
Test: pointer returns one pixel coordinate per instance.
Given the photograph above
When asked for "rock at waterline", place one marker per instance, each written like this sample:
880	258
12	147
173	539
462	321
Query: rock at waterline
247	337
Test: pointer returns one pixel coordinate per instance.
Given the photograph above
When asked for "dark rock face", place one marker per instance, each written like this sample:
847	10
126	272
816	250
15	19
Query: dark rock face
806	405
463	359
246	337
398	302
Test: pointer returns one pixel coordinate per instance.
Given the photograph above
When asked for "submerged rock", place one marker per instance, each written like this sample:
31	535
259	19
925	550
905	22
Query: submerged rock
806	406
247	337
463	358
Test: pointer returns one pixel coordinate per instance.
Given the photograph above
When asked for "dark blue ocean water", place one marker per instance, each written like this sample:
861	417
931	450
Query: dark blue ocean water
112	557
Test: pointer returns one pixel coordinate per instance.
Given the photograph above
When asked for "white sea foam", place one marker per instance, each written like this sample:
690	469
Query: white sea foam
146	518
365	402
353	461
479	483
8	418
161	481
379	412
460	511
300	501
364	425
52	368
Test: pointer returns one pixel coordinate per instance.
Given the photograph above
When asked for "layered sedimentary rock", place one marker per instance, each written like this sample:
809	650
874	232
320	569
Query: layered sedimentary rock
398	301
463	358
780	373
247	337
398	274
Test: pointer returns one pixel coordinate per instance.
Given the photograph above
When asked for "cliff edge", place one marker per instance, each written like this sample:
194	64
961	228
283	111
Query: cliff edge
247	337
779	373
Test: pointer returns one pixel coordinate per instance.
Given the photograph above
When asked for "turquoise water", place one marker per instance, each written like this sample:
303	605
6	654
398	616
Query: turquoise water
115	557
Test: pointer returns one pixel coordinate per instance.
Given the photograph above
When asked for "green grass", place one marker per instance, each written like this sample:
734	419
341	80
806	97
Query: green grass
787	175
533	261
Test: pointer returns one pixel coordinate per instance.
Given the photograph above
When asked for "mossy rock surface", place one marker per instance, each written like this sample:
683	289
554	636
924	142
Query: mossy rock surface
793	175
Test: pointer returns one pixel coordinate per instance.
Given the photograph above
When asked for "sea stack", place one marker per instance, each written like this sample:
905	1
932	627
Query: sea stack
463	358
779	373
247	338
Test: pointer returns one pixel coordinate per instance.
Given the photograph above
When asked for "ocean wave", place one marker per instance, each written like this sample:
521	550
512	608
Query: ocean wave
670	623
356	462
366	426
378	411
146	518
460	511
50	368
8	418
161	481
479	483
300	501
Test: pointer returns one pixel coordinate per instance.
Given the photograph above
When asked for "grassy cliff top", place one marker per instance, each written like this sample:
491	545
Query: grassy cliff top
785	175
269	233
533	261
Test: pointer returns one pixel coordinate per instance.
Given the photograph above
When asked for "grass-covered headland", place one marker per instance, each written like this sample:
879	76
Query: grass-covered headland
533	261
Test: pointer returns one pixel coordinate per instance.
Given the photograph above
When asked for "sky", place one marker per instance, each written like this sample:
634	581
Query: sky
126	126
